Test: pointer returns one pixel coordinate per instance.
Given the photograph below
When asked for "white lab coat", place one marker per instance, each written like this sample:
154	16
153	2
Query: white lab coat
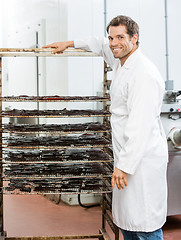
139	142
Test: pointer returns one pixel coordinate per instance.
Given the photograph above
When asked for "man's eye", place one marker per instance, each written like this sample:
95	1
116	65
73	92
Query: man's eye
120	37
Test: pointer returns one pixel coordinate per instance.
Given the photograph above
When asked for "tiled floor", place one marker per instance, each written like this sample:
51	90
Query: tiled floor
37	216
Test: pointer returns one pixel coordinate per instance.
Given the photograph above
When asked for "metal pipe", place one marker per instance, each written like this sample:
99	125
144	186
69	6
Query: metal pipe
168	83
56	237
1	167
64	54
105	17
166	41
37	76
38	50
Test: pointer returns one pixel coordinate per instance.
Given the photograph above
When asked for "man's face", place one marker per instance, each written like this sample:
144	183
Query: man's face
120	43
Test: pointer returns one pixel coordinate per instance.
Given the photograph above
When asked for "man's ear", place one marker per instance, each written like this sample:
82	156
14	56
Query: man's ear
135	38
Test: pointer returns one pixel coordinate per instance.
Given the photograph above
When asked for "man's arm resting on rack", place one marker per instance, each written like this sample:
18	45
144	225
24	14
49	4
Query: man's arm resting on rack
60	46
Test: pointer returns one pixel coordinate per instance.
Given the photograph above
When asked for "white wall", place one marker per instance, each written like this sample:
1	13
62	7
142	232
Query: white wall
174	36
21	20
86	21
1	25
85	18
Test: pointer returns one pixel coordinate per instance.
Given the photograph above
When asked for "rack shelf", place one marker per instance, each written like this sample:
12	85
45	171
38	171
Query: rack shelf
76	160
25	98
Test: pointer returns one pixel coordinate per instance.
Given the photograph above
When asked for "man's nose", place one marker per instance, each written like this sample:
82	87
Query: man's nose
114	42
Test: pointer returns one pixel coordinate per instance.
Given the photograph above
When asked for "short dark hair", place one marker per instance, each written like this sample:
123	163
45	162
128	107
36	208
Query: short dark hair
130	24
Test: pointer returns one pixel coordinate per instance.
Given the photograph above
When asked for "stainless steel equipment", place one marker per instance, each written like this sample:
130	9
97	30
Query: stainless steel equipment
171	119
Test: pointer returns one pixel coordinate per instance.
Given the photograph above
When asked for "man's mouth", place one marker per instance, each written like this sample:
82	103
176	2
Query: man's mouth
116	49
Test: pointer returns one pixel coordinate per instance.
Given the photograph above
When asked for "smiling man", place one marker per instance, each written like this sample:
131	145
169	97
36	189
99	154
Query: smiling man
121	44
139	184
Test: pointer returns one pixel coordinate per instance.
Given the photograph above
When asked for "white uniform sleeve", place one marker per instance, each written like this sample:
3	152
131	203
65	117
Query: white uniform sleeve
144	101
97	45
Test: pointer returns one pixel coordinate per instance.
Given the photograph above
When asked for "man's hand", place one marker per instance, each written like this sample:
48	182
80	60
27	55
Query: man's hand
60	46
120	178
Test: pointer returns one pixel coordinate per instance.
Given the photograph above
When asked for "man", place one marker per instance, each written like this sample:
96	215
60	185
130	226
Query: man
140	148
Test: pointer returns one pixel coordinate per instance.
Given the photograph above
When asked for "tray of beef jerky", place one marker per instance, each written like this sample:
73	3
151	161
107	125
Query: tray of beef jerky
26	98
54	113
56	186
59	170
55	156
56	128
54	142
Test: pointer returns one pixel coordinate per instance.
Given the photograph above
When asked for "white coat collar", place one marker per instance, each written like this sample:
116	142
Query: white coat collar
131	58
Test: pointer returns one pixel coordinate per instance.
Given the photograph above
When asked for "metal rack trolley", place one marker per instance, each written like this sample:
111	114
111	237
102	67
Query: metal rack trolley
105	191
